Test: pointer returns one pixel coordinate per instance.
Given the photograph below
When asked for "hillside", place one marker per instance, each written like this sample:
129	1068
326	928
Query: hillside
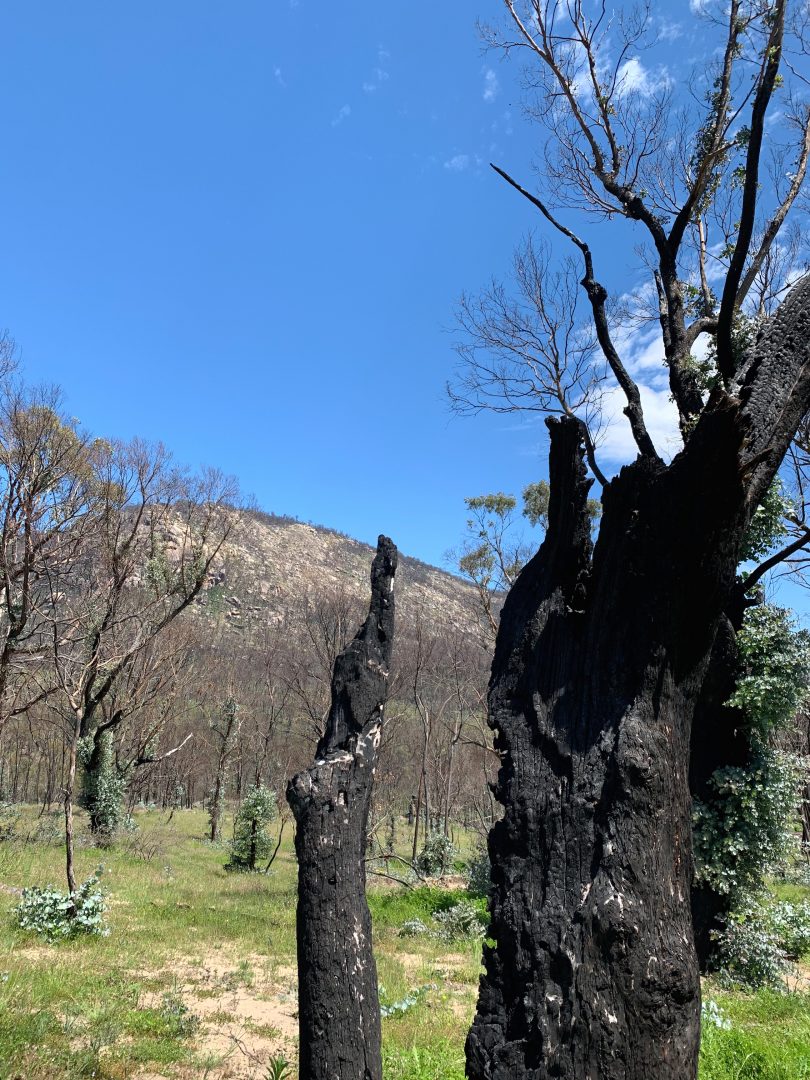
271	562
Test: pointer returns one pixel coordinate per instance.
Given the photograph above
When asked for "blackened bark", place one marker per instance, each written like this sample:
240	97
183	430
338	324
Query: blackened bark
338	1002
598	667
593	686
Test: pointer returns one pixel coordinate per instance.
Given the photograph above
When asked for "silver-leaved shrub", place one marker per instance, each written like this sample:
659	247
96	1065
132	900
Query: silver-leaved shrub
56	915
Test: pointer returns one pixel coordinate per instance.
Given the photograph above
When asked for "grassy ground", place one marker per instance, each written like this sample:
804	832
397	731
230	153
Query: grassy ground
197	977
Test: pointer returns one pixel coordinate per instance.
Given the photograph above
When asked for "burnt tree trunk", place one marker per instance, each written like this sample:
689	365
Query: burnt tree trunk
338	1002
599	663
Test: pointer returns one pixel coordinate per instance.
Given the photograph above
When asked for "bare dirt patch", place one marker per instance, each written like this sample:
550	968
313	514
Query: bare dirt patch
450	962
35	954
247	1006
798	980
411	962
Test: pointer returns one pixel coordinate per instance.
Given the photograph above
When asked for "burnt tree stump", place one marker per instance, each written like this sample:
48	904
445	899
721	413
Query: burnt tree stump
338	1001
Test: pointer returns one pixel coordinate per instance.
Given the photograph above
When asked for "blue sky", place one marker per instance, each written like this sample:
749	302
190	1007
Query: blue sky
243	229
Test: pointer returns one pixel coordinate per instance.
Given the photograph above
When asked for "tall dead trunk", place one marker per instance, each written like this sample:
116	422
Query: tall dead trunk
451	756
226	732
599	663
338	1002
418	811
597	668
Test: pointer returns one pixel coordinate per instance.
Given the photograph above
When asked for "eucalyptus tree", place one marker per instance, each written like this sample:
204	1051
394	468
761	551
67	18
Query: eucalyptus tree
48	500
156	533
603	648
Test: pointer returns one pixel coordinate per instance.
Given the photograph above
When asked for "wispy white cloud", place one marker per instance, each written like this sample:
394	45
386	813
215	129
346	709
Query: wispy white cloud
380	73
642	351
458	163
343	112
491	85
617	446
634	78
669	31
278	76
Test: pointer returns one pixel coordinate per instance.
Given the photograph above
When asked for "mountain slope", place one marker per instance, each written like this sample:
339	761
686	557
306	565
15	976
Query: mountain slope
271	563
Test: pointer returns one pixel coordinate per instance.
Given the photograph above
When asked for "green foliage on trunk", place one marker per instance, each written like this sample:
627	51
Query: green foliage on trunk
252	844
103	788
745	830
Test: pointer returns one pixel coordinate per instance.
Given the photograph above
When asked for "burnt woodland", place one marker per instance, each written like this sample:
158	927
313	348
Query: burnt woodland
544	815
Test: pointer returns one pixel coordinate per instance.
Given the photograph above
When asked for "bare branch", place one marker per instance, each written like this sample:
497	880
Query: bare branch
597	294
767	80
778	219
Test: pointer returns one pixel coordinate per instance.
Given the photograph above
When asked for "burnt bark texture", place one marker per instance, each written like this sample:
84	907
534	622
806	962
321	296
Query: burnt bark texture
338	1001
599	664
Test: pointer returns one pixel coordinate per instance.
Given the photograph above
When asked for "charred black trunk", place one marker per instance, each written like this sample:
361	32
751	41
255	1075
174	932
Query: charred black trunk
339	1012
599	664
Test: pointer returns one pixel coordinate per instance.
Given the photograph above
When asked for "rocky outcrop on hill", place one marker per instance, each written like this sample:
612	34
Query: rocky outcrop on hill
270	563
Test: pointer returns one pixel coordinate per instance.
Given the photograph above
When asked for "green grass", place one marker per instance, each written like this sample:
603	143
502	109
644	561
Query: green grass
115	1008
769	1038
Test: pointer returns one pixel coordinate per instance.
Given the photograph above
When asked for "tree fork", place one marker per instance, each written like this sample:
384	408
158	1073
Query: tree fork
594	975
338	1001
599	665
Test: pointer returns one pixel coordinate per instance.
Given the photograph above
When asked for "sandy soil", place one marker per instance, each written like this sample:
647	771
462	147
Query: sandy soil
247	1009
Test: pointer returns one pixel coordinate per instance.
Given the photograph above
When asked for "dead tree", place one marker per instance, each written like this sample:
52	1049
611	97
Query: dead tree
338	1002
599	664
603	651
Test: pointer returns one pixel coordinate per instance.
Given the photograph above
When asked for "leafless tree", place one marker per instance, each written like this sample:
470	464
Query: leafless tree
47	501
156	532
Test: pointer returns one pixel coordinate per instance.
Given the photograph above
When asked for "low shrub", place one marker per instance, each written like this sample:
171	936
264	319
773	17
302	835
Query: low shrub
463	920
180	1020
436	857
414	928
478	873
56	915
791	925
9	818
251	842
798	873
48	830
760	940
712	1015
413	997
